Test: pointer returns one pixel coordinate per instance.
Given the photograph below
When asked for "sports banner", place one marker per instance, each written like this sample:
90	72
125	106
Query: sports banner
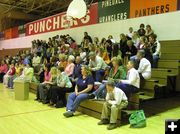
59	22
178	5
113	10
139	8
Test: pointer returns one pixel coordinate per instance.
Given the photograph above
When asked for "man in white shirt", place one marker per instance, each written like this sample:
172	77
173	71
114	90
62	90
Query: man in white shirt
97	65
115	101
144	66
156	49
132	83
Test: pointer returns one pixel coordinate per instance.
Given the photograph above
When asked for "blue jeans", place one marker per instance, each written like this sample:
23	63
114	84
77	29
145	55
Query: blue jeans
74	101
155	61
10	82
99	75
101	91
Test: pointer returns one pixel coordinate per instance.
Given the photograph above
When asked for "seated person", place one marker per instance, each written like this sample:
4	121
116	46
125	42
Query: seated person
36	62
77	69
83	86
44	92
156	49
63	62
144	66
117	72
3	70
70	65
18	70
104	55
28	72
131	50
11	76
59	90
115	101
97	65
141	30
41	86
132	83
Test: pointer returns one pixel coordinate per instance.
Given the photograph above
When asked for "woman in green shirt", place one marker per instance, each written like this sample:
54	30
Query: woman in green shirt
117	73
58	91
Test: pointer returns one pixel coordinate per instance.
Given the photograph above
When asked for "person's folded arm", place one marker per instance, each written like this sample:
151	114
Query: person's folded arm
89	88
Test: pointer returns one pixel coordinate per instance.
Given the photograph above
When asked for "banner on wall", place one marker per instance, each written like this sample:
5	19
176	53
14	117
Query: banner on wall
59	22
21	29
15	32
8	33
151	7
113	10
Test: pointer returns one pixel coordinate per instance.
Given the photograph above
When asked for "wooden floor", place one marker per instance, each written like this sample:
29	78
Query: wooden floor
30	117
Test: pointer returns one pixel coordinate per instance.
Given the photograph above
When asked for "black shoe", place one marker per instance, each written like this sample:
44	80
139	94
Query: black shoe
91	96
103	122
45	102
37	99
112	126
68	114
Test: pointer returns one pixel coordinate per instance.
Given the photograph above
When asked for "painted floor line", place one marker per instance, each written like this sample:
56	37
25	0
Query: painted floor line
3	116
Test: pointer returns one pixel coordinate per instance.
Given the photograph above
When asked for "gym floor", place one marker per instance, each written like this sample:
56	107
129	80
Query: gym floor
31	117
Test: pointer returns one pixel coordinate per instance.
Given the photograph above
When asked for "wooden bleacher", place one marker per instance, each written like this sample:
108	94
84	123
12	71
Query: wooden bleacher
168	67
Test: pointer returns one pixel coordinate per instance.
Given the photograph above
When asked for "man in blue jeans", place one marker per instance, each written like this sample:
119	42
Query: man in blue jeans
132	83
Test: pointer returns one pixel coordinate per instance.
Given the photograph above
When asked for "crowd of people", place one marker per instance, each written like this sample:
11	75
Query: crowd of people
93	69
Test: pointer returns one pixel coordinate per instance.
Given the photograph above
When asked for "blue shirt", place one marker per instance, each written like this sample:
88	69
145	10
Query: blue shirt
83	83
77	71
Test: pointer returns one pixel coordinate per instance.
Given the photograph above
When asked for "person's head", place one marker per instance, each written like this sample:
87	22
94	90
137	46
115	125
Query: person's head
148	27
92	56
110	86
85	71
96	40
129	43
71	59
130	30
142	26
108	42
152	38
17	65
116	61
47	68
53	71
140	54
101	51
85	34
130	64
78	60
110	37
143	39
12	64
135	35
103	40
62	57
122	36
3	62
